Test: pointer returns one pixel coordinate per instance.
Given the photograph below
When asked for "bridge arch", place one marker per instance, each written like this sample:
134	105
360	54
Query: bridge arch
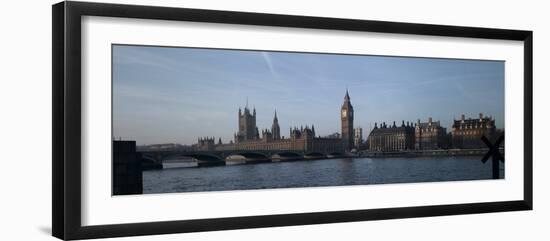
148	162
176	156
287	156
315	155
249	157
204	157
149	157
335	154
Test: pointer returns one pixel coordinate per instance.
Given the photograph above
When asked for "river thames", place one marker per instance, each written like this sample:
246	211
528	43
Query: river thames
315	173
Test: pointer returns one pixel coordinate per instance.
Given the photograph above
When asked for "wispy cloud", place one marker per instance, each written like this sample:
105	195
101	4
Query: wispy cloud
269	63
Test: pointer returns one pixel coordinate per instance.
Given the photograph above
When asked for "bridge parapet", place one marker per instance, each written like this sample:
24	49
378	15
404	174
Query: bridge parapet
221	155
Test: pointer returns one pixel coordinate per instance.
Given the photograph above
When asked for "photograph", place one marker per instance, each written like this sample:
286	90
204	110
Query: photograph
279	122
188	119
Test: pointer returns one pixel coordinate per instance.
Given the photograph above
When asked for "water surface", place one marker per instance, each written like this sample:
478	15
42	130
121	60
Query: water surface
316	173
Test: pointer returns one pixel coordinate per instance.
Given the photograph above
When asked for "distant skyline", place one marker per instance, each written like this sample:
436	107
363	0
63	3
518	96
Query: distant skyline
175	95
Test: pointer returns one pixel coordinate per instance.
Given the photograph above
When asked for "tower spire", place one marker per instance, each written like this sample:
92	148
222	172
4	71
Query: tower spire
275	129
346	118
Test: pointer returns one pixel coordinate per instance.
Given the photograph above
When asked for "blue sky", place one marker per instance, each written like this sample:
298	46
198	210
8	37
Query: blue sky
174	95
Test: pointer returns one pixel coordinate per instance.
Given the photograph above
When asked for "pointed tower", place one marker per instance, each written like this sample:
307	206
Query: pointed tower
247	125
275	129
346	117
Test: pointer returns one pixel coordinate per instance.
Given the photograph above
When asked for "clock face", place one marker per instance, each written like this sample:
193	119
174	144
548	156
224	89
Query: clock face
344	113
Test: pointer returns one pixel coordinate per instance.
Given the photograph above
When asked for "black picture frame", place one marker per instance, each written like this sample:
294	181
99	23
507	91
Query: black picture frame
66	75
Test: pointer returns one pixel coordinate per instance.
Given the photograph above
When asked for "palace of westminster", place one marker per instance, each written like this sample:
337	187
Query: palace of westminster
465	134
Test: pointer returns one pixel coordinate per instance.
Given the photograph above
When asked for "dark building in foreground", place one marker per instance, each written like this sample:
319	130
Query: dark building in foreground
430	135
391	138
127	169
467	133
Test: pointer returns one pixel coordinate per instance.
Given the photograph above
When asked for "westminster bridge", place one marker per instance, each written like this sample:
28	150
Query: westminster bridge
213	158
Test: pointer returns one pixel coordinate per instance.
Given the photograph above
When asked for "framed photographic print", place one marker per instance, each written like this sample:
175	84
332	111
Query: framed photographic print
170	120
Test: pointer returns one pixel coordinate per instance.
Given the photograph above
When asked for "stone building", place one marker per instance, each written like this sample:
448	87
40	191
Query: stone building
301	139
275	129
430	135
467	133
346	117
358	137
206	143
247	126
392	138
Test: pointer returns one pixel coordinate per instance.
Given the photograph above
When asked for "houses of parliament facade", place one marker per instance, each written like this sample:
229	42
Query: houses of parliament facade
303	139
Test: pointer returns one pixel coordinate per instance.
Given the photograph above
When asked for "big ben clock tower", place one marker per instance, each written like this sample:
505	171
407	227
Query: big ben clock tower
346	116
